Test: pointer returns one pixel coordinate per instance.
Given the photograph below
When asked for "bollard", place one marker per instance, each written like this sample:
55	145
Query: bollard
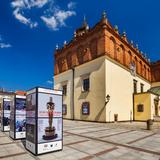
149	124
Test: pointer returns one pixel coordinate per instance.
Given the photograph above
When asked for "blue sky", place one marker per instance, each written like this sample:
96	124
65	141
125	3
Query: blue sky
30	30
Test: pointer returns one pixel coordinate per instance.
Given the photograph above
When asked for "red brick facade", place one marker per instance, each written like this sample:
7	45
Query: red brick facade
155	70
101	40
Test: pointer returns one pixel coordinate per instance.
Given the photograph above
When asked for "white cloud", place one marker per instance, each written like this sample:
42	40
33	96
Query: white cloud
61	16
58	19
71	5
27	4
3	44
21	5
18	15
53	17
36	3
0	38
18	4
51	22
50	82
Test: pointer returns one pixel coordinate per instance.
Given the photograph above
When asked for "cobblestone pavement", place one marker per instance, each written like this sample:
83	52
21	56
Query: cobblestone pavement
95	141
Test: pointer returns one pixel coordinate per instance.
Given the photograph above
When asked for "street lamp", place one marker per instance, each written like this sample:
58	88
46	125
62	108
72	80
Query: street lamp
108	98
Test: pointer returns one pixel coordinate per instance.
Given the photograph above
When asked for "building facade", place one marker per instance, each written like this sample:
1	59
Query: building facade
99	72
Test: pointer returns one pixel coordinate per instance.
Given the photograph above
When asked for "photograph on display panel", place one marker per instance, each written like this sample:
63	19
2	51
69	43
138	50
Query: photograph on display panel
20	106
12	108
49	105
31	105
12	122
31	130
49	129
6	119
20	123
7	105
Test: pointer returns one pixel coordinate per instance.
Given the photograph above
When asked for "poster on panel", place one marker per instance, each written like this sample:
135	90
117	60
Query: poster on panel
49	102
31	134
20	126
20	106
6	122
20	120
31	105
7	105
47	133
49	121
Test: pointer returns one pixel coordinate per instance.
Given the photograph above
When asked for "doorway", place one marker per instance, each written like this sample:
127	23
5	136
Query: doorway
156	107
115	117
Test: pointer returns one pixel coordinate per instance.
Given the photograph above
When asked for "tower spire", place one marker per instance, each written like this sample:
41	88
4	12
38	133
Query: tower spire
104	14
85	24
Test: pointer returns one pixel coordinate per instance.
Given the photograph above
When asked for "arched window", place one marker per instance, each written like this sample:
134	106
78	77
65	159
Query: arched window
129	58
62	64
69	59
123	55
80	54
148	77
149	74
145	71
140	67
113	52
136	63
93	48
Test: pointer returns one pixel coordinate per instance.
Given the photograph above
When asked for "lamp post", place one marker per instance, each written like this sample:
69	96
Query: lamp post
107	98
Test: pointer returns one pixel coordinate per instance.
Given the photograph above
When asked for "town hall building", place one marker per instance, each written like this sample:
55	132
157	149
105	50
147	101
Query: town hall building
105	78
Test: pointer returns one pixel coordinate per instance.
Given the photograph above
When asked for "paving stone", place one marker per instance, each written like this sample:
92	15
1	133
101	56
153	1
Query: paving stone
90	139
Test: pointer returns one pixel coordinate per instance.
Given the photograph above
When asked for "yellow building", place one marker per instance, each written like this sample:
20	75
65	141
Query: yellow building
146	106
99	72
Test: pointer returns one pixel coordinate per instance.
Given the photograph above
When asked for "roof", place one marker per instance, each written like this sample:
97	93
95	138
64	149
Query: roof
20	93
155	90
6	93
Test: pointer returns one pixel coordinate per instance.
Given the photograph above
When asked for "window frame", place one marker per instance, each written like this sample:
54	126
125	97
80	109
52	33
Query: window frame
142	87
64	93
135	86
88	108
64	106
140	109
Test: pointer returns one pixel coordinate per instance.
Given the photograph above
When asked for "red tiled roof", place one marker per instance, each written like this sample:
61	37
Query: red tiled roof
20	92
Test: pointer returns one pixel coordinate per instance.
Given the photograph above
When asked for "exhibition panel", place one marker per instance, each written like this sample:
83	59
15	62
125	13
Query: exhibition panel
6	106
44	130
18	118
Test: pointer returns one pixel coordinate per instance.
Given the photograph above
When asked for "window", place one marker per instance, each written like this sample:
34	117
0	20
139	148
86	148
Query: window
85	84
64	88
134	86
142	88
85	108
64	109
140	108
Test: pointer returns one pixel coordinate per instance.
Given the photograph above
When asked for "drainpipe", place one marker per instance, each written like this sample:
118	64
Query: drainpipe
133	108
73	72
